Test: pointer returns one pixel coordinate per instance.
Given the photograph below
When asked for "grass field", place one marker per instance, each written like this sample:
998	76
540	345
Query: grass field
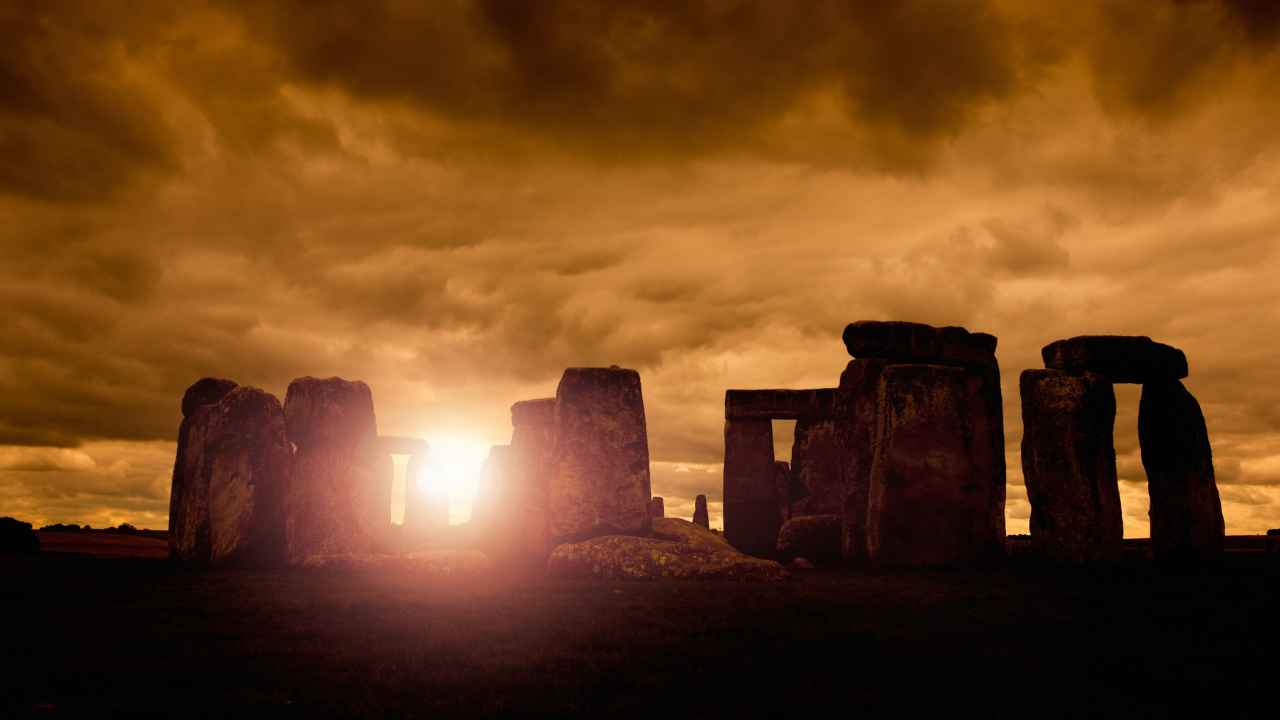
108	638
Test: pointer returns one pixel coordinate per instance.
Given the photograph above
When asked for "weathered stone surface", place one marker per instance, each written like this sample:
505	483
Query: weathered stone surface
426	506
17	537
700	516
486	508
814	537
678	549
188	498
532	457
444	563
788	492
205	391
815	466
1186	512
657	507
935	487
857	407
1120	358
908	342
771	404
751	509
601	480
1069	465
340	499
235	464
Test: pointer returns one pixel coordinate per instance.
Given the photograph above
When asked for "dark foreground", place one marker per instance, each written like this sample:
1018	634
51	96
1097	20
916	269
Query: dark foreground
109	638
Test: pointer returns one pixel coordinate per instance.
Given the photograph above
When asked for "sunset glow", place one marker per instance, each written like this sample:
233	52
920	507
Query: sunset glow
453	469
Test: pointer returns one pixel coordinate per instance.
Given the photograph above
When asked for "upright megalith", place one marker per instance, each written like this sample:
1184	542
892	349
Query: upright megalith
788	492
1186	512
934	485
188	495
487	507
600	484
700	515
1069	465
815	466
920	432
234	464
751	507
340	498
657	507
528	503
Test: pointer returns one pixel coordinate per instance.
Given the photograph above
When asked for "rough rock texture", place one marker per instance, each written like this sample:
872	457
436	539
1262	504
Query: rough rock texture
601	480
1069	465
936	487
856	410
426	507
657	508
532	455
1120	358
340	499
700	516
17	537
188	500
774	404
814	537
1186	512
787	491
430	562
235	464
751	507
907	342
815	466
678	549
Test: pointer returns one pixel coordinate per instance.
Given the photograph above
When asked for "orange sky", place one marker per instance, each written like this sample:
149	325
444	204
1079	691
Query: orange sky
457	201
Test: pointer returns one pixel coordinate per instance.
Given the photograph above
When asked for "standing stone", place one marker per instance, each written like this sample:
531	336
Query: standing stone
236	464
789	493
1069	465
340	499
426	506
657	508
934	486
486	508
601	482
700	515
815	466
532	455
751	514
856	411
1186	512
188	494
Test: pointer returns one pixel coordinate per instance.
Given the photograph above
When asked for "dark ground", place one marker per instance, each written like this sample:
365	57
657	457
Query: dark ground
101	637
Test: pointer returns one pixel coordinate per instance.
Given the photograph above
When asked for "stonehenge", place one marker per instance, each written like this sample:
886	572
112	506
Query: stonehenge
908	450
657	508
700	516
1069	460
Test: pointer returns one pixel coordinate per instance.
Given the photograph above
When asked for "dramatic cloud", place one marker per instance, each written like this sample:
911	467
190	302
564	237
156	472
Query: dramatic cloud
457	200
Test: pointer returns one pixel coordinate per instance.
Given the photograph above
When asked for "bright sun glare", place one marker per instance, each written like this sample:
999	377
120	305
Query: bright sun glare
453	469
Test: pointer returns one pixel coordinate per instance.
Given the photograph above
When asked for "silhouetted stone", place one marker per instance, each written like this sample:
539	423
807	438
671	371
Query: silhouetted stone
486	507
815	466
601	479
751	508
908	342
788	492
857	413
1120	358
700	516
205	391
657	508
815	537
426	503
935	486
17	537
678	549
1069	465
522	532
1186	512
188	496
340	499
235	464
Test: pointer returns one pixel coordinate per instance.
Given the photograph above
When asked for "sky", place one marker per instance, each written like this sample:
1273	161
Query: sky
454	201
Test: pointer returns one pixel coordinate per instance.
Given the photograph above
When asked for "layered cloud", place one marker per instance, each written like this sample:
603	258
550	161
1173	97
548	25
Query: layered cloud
457	201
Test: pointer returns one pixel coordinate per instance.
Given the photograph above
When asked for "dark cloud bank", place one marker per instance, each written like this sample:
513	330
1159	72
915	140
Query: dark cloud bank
455	201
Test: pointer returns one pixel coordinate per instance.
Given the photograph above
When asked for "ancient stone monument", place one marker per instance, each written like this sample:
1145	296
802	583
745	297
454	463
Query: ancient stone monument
232	469
340	498
426	509
600	483
657	507
1069	460
700	516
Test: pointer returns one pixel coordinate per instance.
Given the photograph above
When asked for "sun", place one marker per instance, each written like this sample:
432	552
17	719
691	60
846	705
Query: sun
453	470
